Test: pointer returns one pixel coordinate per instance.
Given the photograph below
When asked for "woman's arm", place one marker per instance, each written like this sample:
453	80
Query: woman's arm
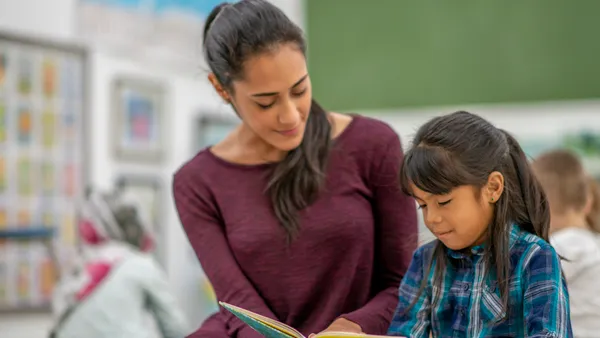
396	236
201	223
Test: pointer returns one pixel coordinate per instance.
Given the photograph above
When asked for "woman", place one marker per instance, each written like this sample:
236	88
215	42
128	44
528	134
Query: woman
297	214
118	284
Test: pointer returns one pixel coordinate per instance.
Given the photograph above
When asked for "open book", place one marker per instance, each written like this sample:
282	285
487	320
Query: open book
273	329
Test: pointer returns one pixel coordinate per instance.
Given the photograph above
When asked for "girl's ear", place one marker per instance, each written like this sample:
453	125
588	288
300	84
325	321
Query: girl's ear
494	187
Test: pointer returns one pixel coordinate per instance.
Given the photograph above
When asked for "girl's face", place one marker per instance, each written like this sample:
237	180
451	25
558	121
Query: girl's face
460	218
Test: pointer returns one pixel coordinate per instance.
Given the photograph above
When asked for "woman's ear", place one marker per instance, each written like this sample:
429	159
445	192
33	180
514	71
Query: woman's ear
494	187
219	88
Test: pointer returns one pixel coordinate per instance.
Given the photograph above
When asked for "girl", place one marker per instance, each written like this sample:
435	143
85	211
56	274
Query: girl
297	214
491	271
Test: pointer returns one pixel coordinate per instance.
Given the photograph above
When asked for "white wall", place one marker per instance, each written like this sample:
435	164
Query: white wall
188	95
543	120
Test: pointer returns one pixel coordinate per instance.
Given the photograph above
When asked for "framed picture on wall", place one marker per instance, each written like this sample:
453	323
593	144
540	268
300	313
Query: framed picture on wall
147	193
138	120
210	129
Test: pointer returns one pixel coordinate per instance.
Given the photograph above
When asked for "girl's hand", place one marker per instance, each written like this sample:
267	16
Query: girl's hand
342	325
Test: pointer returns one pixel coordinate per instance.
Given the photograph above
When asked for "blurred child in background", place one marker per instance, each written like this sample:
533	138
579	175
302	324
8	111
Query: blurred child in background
574	233
593	217
118	283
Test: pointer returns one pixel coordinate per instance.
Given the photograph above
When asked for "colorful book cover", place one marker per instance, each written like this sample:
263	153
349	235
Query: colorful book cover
273	329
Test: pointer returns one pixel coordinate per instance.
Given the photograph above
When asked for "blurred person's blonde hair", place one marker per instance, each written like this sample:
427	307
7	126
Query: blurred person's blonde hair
566	183
593	216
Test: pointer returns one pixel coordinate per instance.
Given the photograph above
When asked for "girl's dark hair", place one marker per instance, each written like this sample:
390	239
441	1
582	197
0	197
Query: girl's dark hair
236	32
464	149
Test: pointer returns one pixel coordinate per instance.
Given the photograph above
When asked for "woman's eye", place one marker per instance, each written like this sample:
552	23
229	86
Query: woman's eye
421	206
300	93
265	106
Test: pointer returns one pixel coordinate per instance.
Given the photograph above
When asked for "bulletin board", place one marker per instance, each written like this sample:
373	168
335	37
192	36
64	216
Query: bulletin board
42	163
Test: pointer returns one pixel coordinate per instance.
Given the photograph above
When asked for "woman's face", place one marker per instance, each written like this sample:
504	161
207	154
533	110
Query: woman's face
273	98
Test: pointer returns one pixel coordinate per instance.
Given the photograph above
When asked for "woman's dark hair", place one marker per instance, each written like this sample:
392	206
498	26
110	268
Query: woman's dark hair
236	32
464	149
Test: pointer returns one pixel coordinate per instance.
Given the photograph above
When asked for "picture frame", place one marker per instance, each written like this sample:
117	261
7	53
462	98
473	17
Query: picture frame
147	191
210	129
138	120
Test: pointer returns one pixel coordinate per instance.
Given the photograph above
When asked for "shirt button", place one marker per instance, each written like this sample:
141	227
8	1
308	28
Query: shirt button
466	287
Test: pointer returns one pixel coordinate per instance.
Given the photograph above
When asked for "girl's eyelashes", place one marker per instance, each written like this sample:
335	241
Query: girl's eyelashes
445	202
421	206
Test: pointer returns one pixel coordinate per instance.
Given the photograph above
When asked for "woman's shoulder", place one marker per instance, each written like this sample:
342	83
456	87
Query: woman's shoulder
369	141
369	132
190	175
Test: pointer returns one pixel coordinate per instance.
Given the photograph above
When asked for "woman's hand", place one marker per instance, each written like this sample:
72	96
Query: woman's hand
342	325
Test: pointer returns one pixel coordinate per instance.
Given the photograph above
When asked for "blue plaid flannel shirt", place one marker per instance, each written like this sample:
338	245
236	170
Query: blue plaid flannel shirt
468	304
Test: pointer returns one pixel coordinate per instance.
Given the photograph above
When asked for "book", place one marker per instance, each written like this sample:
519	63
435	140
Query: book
271	328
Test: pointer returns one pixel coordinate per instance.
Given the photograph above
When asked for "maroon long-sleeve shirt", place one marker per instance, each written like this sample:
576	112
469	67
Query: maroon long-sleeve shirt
354	246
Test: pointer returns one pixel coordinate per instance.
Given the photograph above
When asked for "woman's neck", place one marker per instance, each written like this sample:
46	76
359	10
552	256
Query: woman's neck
255	149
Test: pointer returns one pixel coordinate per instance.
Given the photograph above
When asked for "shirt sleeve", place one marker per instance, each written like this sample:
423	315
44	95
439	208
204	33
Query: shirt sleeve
206	235
545	300
396	238
415	321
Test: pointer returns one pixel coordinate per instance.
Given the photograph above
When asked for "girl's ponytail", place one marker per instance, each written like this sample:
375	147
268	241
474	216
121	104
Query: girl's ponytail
536	216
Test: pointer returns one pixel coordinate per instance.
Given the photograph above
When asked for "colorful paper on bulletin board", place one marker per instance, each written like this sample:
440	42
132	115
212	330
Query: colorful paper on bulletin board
49	80
68	125
68	231
48	219
3	179
3	217
3	277
3	121
47	278
48	178
25	75
70	73
69	179
3	67
24	217
24	279
24	176
48	128
25	127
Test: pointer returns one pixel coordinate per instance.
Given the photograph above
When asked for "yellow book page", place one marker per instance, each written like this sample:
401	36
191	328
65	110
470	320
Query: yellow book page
290	331
347	335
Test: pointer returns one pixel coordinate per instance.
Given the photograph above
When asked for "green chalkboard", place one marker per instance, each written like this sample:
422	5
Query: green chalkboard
380	54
